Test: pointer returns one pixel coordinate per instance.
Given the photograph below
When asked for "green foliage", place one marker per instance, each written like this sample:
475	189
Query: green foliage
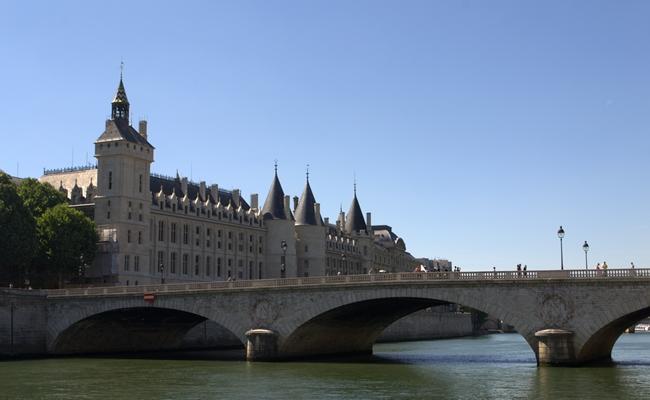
41	238
17	234
67	242
38	197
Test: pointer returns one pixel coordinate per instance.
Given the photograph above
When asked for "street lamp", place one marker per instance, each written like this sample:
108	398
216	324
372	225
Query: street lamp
345	265
560	234
283	262
585	247
161	268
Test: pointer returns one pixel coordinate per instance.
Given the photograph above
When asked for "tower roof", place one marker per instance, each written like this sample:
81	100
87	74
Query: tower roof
120	95
354	221
306	212
274	203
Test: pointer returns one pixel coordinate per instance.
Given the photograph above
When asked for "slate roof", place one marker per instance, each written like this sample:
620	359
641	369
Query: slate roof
119	129
274	203
305	212
171	185
354	221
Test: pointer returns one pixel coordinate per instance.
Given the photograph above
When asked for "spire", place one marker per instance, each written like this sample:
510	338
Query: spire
306	210
120	104
354	221
274	203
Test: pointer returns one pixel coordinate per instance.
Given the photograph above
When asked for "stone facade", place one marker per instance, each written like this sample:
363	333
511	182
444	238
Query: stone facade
156	228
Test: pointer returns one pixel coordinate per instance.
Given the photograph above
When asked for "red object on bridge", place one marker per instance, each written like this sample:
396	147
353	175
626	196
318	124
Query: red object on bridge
149	297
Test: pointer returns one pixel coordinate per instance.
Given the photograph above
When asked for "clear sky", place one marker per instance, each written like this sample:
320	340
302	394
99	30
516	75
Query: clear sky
475	128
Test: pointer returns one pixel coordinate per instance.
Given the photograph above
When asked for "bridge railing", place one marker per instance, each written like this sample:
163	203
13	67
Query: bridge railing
476	276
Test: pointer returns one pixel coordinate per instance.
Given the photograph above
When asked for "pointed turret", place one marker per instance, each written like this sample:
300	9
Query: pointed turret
274	203
120	104
306	210
354	221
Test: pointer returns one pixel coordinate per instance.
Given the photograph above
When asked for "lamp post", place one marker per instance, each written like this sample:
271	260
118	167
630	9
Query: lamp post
585	247
345	265
161	268
283	261
560	234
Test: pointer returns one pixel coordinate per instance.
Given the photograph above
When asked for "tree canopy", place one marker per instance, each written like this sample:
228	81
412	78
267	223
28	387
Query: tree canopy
42	239
67	240
17	234
38	197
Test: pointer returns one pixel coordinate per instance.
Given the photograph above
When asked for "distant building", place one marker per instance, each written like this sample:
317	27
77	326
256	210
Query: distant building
435	265
155	227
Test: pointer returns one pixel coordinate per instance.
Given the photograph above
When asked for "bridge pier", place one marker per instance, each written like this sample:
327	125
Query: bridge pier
262	345
555	347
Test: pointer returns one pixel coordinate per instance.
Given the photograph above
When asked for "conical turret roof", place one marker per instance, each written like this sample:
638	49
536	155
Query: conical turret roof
274	203
354	221
306	212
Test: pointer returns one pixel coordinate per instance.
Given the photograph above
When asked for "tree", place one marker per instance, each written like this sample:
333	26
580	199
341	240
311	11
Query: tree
17	234
38	197
67	241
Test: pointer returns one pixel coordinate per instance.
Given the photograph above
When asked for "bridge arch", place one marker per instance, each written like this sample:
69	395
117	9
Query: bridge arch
600	343
119	325
352	323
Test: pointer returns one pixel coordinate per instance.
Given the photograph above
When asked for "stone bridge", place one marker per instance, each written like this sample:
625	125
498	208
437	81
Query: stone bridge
567	317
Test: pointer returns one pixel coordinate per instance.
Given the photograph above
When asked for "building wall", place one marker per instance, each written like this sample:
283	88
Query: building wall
433	323
200	248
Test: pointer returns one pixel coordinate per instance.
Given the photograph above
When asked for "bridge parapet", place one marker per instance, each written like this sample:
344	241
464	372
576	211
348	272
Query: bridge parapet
414	277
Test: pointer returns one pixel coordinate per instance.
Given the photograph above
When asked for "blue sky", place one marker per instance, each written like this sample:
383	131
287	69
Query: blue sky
474	128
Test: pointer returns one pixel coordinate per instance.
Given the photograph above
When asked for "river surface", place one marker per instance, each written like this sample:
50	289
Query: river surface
498	366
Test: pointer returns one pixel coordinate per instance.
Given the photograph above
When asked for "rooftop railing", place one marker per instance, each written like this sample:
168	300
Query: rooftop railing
68	169
490	276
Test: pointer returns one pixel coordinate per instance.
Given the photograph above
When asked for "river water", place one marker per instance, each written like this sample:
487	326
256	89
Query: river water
498	366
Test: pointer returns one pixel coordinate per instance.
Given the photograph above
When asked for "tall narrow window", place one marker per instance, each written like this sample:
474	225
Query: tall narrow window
196	264
161	231
186	230
140	184
127	259
172	263
185	260
208	266
173	233
219	267
110	180
136	263
161	260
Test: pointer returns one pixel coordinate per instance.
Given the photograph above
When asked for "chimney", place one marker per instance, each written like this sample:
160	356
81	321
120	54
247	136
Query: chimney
235	197
202	190
254	201
214	191
327	221
287	202
143	128
295	202
184	185
369	220
317	209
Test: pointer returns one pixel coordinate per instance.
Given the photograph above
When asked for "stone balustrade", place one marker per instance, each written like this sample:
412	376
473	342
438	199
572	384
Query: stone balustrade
483	276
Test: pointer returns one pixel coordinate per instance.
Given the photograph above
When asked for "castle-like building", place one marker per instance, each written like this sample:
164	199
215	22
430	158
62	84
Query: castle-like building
157	228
